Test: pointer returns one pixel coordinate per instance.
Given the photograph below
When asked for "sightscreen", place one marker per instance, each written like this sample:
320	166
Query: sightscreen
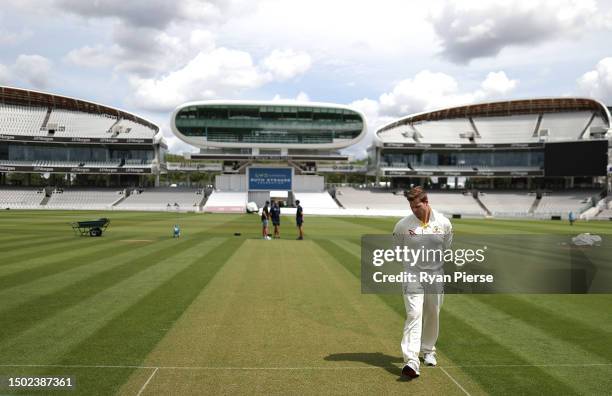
270	178
588	158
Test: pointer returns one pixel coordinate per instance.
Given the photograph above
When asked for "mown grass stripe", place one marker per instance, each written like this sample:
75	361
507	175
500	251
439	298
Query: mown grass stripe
28	243
54	248
76	259
23	316
125	340
385	225
71	326
457	335
8	240
571	331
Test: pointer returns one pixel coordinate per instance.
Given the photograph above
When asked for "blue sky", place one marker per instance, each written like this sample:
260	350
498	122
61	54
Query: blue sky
388	58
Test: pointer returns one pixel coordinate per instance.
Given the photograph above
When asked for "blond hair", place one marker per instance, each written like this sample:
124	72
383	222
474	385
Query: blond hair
416	193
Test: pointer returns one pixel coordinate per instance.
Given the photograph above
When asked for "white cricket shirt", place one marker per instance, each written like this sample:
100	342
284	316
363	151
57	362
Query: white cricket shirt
436	234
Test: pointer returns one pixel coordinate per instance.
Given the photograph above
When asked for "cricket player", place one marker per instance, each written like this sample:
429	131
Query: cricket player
428	228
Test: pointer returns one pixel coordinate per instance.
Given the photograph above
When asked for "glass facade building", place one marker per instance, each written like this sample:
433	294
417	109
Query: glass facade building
268	124
497	158
24	152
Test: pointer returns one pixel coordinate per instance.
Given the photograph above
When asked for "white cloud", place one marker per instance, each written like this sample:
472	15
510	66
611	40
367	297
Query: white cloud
14	38
5	75
498	84
286	64
209	75
97	56
475	29
597	83
428	91
218	73
151	38
301	97
34	69
371	109
150	13
425	91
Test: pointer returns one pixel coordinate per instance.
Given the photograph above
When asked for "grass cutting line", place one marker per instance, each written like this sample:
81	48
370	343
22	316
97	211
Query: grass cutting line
103	366
455	381
148	380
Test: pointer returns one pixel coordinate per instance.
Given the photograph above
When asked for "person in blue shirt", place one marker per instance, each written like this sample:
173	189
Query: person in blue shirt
275	216
572	218
176	231
299	220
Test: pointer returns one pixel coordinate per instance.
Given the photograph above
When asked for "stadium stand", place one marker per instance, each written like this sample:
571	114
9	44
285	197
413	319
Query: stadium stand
78	124
226	202
133	130
451	203
605	214
80	199
560	204
75	164
517	128
163	199
565	126
387	203
352	198
22	120
316	200
507	204
21	198
444	131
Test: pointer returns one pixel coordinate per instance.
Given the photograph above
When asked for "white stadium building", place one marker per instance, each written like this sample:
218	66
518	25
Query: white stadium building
532	158
268	150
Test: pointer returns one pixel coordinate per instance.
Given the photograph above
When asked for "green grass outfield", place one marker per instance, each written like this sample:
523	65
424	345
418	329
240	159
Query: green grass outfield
137	312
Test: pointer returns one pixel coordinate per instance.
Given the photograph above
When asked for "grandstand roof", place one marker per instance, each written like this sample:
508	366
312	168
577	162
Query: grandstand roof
506	108
25	97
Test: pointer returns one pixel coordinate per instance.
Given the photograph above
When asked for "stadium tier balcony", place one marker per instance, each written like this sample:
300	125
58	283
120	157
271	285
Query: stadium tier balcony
22	120
83	199
21	198
512	129
226	202
510	204
443	131
78	124
560	204
568	126
132	130
163	199
316	200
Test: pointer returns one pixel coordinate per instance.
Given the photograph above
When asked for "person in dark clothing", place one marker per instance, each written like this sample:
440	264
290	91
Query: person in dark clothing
275	216
299	220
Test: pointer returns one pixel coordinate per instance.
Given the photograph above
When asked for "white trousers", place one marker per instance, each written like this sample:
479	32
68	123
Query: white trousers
422	324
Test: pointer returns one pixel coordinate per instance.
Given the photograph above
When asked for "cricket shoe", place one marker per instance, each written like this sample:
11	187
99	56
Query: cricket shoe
411	370
430	359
